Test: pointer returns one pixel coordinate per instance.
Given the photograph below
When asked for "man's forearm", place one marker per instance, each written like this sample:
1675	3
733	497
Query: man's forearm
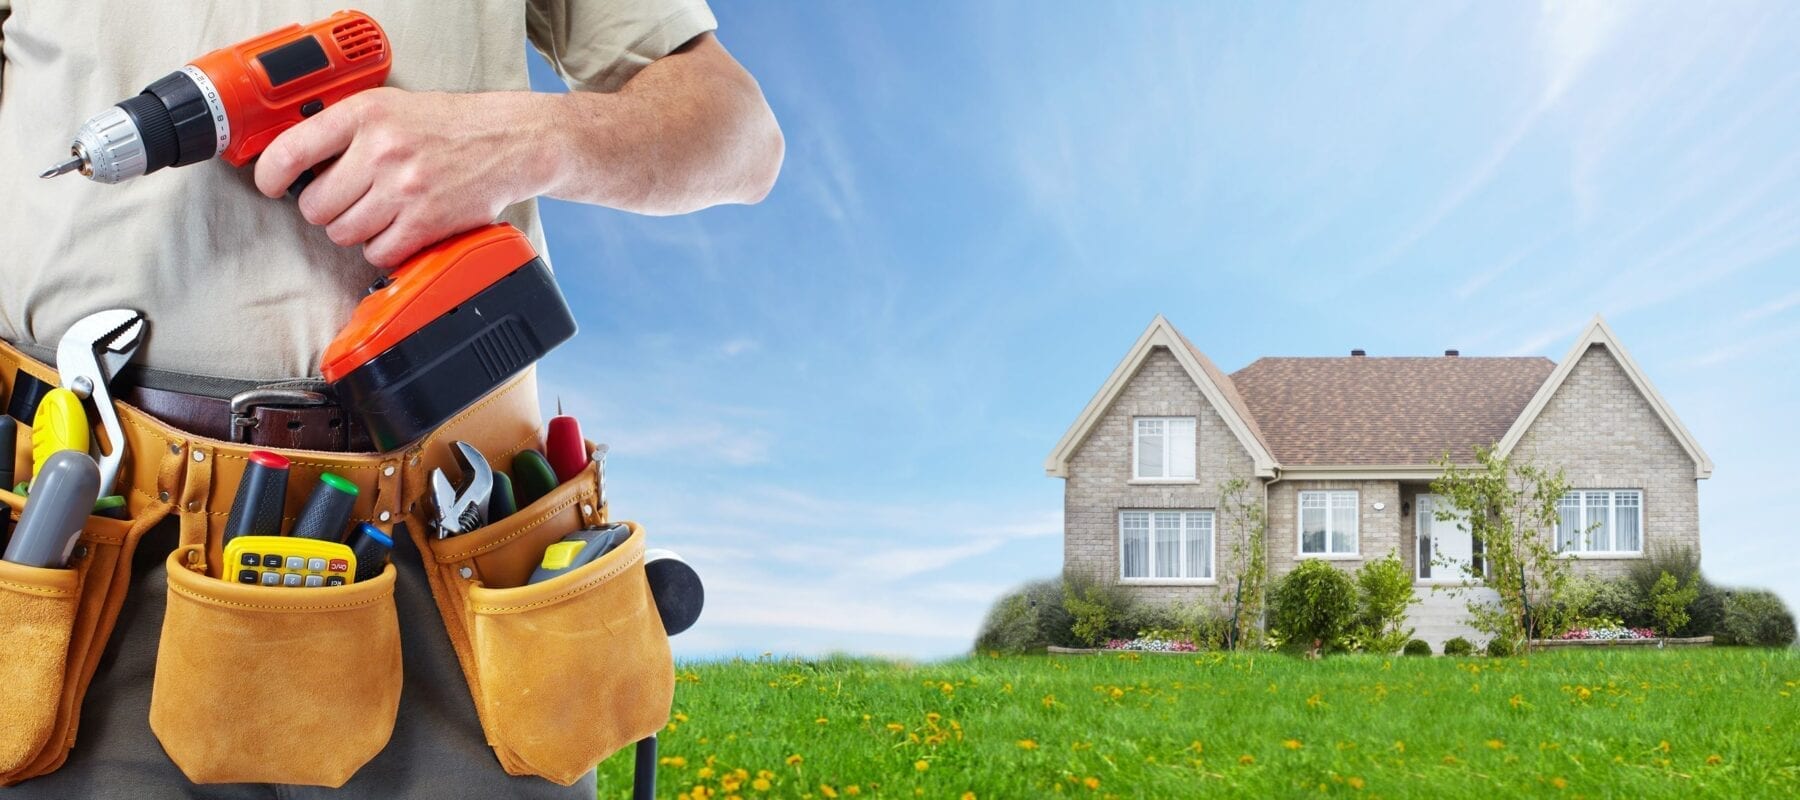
690	131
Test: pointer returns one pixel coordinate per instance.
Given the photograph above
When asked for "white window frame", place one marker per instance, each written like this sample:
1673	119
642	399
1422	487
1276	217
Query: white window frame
1181	557
1331	496
1168	451
1581	497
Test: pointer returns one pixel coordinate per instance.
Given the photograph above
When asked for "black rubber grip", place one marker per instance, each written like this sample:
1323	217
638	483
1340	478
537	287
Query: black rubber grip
155	129
256	510
326	514
195	137
299	185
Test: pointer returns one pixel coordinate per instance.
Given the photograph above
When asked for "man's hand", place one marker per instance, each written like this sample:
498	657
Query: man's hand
413	168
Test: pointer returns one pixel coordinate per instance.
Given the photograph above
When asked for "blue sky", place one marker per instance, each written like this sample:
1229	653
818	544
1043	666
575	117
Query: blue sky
837	403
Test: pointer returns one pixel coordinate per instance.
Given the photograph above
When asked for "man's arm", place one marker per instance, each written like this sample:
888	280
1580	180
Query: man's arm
688	131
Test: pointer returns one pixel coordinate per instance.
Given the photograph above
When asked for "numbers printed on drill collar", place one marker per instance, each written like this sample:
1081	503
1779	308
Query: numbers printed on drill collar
285	562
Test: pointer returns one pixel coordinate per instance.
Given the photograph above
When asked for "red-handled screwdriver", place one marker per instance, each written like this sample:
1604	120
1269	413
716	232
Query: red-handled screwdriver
564	447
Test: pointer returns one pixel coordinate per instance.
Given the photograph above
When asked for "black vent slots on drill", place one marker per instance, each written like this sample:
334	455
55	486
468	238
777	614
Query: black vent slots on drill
358	40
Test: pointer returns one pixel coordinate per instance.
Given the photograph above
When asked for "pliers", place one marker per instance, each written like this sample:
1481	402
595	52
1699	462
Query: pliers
464	507
89	355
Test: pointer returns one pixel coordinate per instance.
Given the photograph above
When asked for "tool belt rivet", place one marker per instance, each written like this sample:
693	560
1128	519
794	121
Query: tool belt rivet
466	572
385	516
162	497
199	456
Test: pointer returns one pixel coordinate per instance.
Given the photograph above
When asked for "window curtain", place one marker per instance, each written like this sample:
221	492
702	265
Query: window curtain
1199	545
1136	525
1168	545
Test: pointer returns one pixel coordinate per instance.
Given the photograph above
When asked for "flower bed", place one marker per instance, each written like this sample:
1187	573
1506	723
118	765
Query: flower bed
1152	645
1607	634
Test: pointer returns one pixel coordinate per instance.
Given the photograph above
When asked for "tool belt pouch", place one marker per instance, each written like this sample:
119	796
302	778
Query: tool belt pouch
54	623
563	672
263	684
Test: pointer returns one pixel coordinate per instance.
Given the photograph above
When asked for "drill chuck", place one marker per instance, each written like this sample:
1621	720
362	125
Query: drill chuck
177	120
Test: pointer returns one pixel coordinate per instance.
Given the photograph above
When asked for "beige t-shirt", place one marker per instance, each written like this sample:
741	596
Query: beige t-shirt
235	284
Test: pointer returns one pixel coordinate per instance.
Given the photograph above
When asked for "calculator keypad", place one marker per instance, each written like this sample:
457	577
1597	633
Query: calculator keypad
291	571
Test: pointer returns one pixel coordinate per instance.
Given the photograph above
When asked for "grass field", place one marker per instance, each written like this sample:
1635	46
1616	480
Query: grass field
1591	723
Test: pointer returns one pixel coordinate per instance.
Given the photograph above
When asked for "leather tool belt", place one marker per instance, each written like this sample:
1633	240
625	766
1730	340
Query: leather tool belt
584	647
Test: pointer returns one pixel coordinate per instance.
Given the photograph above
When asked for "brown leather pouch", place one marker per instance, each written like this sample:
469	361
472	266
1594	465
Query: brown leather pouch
566	672
54	623
260	684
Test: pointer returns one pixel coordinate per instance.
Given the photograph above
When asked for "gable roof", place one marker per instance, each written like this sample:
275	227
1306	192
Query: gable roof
1365	411
1598	333
1214	385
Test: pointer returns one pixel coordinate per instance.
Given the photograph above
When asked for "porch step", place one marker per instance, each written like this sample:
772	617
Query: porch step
1442	614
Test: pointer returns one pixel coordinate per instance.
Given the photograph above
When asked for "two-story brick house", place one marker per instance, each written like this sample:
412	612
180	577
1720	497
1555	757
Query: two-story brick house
1342	451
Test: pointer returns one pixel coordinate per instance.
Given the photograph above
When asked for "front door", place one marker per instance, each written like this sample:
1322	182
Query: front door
1448	552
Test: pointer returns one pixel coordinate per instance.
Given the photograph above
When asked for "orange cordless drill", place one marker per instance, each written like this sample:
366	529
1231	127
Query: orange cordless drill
408	360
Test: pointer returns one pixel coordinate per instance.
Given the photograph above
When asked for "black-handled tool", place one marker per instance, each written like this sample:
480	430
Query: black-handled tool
53	518
256	510
327	510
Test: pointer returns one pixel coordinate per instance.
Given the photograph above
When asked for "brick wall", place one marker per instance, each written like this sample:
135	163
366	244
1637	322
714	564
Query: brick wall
1099	483
1605	435
1378	532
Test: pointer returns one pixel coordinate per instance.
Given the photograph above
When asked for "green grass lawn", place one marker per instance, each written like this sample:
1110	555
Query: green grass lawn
1590	723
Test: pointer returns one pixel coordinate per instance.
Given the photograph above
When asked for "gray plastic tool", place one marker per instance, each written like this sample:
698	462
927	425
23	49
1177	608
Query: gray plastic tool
62	494
595	542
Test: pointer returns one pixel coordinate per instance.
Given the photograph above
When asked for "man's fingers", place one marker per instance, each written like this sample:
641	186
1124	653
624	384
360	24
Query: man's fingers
315	139
336	189
364	219
392	246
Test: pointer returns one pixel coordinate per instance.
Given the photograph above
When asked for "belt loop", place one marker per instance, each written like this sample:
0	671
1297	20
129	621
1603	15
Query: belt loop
388	474
194	509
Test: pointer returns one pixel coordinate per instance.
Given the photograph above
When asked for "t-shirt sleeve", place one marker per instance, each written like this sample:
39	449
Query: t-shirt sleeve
597	45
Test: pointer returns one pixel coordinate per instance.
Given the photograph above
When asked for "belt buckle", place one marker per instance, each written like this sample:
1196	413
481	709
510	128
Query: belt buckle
245	403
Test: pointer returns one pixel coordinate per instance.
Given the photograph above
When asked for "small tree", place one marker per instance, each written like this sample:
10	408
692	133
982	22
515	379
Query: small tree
1669	601
1510	508
1384	590
1243	523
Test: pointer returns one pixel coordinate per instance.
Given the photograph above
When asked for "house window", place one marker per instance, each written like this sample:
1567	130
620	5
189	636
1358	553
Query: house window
1327	523
1166	545
1163	448
1600	521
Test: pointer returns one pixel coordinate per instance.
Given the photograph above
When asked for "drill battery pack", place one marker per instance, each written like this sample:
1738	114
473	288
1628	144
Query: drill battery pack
446	328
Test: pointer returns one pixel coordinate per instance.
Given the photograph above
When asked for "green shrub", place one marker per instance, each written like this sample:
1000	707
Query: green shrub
1617	599
1028	620
1459	647
1101	611
1758	618
1384	590
1314	603
1500	647
1669	601
1417	647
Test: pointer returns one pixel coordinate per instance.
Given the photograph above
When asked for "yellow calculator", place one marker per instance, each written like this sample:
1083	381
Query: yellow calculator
286	561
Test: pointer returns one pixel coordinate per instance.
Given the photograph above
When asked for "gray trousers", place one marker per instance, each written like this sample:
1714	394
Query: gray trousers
437	750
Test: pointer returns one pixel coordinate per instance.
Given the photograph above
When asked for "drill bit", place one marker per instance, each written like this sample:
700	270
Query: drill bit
66	167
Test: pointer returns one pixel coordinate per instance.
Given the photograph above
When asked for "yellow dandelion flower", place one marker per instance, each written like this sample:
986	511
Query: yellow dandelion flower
1246	759
1517	701
1315	701
673	761
1559	782
968	796
794	760
760	784
704	772
921	765
895	727
947	688
822	720
1450	759
1663	746
853	790
933	717
1355	782
1027	744
1049	700
1197	746
1291	744
680	717
765	774
1091	782
1583	692
1116	693
741	774
1714	760
1495	744
730	783
1399	746
825	789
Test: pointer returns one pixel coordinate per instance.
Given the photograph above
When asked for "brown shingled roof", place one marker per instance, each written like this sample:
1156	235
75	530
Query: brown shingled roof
1361	411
